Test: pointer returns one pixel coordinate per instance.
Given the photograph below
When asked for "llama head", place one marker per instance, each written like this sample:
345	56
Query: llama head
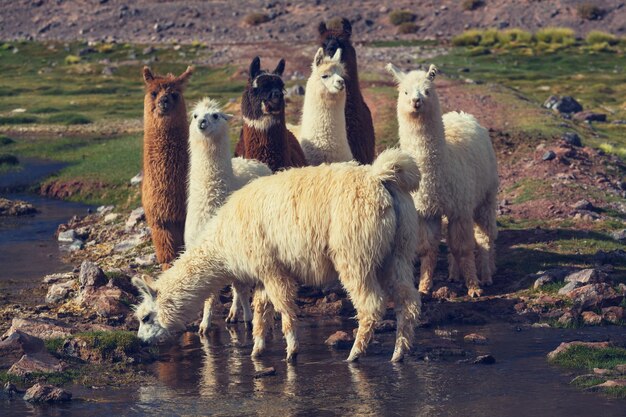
330	71
147	313
265	93
164	94
416	90
335	38
208	119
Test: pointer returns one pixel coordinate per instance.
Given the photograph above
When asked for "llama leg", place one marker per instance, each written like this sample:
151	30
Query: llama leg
462	244
244	303
429	231
282	291
454	273
407	304
368	299
234	306
486	232
263	319
209	304
163	244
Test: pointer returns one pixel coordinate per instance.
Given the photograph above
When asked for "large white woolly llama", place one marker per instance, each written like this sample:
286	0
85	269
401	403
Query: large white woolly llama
311	226
213	176
459	181
322	135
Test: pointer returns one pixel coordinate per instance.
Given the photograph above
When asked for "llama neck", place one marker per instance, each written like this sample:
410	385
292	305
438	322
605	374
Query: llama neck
423	136
182	289
266	143
210	173
323	123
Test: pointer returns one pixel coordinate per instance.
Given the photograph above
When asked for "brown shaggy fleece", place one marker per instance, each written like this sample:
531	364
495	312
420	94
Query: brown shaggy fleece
165	162
359	125
264	135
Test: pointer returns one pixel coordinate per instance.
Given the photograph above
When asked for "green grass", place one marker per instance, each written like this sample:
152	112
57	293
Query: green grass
596	36
69	119
583	357
108	342
53	378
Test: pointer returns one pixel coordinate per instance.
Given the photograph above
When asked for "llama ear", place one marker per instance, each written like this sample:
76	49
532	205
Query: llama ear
322	28
147	75
226	116
184	77
432	72
347	26
280	68
144	285
337	56
319	57
395	71
255	67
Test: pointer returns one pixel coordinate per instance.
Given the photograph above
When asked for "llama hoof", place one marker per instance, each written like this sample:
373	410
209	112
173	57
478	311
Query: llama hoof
291	357
425	288
231	319
474	292
354	356
398	356
203	329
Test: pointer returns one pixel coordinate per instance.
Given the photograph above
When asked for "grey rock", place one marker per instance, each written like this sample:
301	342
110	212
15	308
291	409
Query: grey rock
41	328
67	236
36	363
91	275
619	235
108	71
586	276
46	393
146	260
485	360
137	179
570	286
129	244
340	340
103	210
572	138
564	104
548	156
582	205
16	345
52	278
76	245
136	216
59	291
589	116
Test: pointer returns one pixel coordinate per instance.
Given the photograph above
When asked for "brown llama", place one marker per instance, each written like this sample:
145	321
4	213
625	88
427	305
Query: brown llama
359	125
264	135
165	162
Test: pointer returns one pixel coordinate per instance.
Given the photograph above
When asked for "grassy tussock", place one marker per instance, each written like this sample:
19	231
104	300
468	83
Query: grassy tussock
583	357
398	17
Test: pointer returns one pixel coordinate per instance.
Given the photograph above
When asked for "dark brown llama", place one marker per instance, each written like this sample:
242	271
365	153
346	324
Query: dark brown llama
165	162
264	135
359	126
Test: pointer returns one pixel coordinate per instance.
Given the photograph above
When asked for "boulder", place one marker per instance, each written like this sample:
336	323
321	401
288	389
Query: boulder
41	328
137	179
594	295
111	217
146	260
37	363
135	217
567	319
485	360
444	293
475	338
548	156
15	208
59	291
619	383
586	276
563	347
572	138
91	275
340	340
67	236
16	345
63	276
569	287
106	301
582	205
590	318
613	315
564	104
589	116
46	393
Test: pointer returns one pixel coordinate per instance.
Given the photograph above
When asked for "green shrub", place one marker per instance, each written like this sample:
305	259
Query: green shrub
254	19
515	37
407	27
69	119
478	50
589	11
105	48
563	36
468	38
17	120
470	5
489	37
5	140
72	59
398	17
596	36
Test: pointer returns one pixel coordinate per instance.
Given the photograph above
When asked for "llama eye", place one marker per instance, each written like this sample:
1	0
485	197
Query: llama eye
145	319
325	76
426	92
174	96
406	93
195	116
154	94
